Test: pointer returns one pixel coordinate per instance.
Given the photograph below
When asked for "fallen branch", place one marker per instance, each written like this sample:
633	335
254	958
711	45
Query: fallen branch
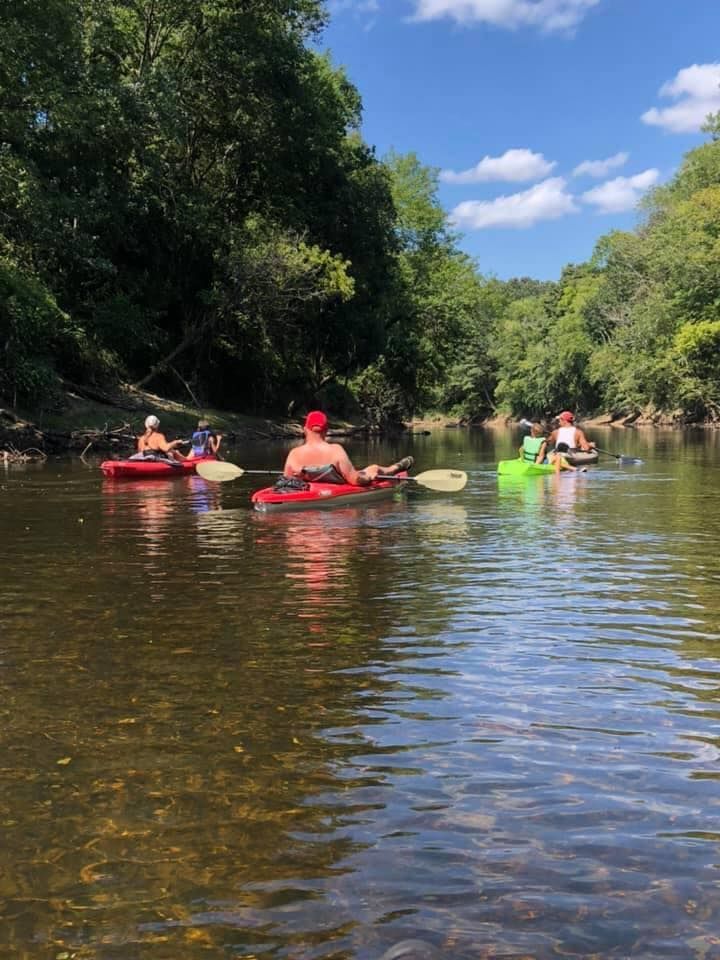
13	455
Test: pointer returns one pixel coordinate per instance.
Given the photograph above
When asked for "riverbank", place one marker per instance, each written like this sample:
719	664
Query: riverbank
85	420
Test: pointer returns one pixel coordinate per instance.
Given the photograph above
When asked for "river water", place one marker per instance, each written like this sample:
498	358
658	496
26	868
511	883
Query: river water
489	720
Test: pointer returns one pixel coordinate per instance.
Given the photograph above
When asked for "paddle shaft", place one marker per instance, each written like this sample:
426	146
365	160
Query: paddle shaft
443	480
619	456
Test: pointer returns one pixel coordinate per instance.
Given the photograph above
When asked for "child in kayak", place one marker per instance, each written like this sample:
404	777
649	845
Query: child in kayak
534	446
205	442
317	459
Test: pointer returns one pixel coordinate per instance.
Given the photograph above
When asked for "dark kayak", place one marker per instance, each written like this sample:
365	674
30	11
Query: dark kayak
581	458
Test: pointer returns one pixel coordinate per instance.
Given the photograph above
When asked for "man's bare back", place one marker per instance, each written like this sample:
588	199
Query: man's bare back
316	451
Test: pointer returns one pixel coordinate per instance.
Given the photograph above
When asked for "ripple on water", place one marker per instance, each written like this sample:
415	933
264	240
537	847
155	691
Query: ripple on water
488	719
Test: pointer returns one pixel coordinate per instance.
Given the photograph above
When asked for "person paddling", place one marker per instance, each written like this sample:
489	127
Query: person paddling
567	436
152	442
318	460
205	442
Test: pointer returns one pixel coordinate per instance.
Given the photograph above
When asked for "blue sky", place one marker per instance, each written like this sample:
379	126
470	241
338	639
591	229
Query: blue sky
508	98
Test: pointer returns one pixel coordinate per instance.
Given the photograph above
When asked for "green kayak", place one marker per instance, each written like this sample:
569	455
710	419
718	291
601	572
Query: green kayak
523	468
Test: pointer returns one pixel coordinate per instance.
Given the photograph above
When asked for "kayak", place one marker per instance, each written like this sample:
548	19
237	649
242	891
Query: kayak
523	468
149	468
322	495
581	458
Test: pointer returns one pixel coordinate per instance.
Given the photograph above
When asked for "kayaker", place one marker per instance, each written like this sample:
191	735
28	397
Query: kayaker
205	442
318	460
534	446
154	442
567	436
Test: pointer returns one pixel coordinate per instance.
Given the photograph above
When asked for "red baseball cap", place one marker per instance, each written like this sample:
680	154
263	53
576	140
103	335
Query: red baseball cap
566	415
316	420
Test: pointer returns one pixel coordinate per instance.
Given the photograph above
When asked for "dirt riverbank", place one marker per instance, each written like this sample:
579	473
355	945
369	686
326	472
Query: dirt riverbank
85	420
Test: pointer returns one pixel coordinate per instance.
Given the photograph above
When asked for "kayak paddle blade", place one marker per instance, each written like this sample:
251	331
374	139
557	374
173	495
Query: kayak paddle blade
446	481
219	471
619	457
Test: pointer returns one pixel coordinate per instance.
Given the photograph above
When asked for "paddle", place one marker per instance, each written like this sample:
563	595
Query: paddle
621	458
446	481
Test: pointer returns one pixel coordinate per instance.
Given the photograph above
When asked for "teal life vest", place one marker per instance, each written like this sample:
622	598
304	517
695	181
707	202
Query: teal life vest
531	448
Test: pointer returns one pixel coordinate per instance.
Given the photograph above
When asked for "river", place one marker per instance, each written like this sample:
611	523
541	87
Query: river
489	720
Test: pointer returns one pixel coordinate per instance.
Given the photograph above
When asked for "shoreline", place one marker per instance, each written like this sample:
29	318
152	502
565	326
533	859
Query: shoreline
86	420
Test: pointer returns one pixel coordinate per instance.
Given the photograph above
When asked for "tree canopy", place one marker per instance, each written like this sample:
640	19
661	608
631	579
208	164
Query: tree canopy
186	203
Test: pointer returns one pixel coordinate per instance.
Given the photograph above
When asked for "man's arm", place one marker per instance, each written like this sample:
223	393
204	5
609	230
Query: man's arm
584	442
345	468
289	469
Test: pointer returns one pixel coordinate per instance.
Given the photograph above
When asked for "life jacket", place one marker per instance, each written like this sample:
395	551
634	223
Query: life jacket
531	448
201	443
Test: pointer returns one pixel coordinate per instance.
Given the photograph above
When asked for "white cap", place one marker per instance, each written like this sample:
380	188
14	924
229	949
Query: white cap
152	421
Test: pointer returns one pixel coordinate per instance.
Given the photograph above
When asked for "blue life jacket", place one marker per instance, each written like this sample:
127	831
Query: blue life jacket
201	443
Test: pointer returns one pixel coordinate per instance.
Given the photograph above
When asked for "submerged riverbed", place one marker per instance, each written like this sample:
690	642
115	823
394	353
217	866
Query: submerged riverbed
488	720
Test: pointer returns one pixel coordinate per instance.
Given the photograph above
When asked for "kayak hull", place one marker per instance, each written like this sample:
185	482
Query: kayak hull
523	468
321	496
149	469
581	458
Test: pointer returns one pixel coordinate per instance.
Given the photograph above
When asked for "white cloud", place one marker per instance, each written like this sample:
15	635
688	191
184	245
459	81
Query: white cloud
697	91
622	193
514	166
548	15
545	201
600	168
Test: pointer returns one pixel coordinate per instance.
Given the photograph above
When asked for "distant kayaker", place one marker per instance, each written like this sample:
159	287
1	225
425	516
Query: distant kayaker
317	459
205	442
534	446
154	442
568	434
567	437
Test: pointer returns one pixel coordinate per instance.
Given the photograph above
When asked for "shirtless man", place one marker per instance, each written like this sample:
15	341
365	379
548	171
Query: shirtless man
317	459
152	441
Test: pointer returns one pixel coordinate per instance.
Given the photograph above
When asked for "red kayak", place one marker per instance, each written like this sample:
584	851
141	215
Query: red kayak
321	495
148	468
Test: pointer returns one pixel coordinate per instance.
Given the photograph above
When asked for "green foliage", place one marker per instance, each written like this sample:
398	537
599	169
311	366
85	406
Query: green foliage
186	199
34	334
697	346
379	394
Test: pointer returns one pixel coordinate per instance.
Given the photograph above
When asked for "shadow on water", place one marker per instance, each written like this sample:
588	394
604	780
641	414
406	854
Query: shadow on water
487	721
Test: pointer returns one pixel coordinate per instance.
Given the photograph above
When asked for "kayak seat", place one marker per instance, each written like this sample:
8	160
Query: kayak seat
152	457
322	474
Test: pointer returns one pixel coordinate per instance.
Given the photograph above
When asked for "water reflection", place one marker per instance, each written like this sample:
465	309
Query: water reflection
488	720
